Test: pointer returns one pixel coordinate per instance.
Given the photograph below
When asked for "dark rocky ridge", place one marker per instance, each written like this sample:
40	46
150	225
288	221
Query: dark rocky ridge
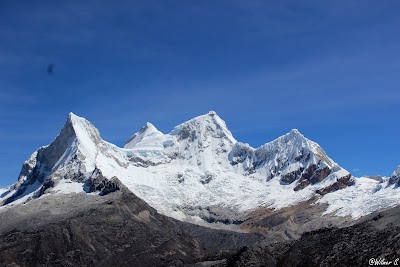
98	183
340	183
117	229
215	240
374	236
113	228
395	177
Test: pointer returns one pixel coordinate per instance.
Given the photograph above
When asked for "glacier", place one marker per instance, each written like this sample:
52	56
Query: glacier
199	171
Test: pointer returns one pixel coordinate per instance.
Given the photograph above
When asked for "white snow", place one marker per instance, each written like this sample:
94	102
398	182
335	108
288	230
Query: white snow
147	138
66	186
200	164
366	196
4	190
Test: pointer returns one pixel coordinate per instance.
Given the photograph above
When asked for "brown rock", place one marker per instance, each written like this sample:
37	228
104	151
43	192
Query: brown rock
320	175
341	183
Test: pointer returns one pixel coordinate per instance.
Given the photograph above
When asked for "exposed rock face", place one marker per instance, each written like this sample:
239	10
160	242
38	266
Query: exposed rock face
372	237
216	240
291	157
97	182
341	183
395	178
319	175
118	229
71	156
302	183
292	176
291	222
196	173
375	237
312	175
255	256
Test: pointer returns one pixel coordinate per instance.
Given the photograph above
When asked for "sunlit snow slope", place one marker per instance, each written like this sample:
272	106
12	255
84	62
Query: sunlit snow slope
199	171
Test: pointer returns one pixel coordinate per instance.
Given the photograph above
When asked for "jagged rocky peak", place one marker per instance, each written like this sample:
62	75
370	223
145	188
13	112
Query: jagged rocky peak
292	140
395	177
292	157
397	171
296	147
147	131
77	134
69	156
297	158
96	182
203	126
198	162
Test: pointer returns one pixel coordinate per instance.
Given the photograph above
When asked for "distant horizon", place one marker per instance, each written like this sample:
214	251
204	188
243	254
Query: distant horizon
327	69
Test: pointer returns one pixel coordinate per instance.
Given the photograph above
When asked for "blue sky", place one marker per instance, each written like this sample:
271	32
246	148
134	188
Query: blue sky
329	68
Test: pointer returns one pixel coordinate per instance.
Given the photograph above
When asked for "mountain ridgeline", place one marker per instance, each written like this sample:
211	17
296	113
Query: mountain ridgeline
192	197
197	172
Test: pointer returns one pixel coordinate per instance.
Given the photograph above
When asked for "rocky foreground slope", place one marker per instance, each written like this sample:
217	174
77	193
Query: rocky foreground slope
369	241
119	229
82	201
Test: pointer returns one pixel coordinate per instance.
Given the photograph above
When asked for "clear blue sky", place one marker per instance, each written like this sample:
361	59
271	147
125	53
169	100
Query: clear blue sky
329	68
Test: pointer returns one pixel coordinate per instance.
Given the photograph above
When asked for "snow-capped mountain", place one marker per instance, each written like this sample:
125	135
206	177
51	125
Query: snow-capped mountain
197	172
68	162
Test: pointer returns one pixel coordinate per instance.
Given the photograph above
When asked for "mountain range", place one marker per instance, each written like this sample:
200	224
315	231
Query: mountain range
200	177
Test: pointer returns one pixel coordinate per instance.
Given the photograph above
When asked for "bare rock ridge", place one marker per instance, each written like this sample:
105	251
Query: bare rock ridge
374	236
82	201
117	229
395	177
112	228
313	165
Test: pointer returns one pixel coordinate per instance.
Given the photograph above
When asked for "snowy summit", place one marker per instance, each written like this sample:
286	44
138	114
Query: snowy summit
199	171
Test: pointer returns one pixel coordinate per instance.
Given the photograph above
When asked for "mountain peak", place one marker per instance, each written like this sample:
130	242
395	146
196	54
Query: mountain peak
207	123
73	118
395	177
198	162
80	127
72	115
295	131
148	130
149	125
396	171
294	138
212	113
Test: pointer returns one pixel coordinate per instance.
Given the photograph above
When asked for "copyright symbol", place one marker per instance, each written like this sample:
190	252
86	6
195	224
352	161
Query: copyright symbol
371	261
